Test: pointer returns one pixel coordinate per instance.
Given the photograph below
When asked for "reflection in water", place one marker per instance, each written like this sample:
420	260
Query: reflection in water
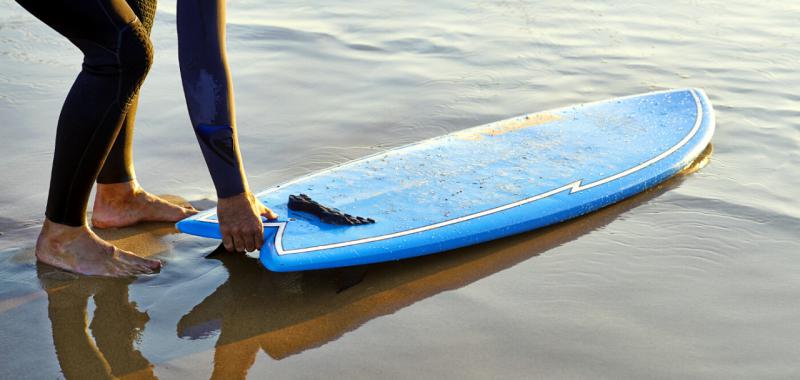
286	313
258	309
115	326
106	349
280	313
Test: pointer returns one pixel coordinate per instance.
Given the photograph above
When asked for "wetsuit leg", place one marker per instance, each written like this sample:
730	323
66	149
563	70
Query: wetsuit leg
117	56
118	167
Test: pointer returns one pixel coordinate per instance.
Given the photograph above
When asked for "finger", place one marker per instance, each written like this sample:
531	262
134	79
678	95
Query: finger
269	213
259	239
238	242
265	211
249	242
227	241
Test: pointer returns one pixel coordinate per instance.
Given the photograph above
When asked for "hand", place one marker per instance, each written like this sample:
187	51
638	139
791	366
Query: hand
240	222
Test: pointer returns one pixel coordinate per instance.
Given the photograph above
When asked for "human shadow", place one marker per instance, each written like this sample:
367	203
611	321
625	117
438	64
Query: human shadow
287	313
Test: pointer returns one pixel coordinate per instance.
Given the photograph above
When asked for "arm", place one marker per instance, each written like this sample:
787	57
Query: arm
208	91
209	97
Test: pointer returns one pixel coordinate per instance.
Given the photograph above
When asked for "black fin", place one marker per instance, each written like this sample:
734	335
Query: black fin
329	215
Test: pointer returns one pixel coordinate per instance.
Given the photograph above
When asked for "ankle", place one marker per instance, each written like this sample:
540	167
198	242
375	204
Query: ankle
57	233
117	192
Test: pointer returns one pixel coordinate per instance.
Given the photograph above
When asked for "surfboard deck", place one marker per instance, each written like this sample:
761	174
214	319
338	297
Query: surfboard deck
483	183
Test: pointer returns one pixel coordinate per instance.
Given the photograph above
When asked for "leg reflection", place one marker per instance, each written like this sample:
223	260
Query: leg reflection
232	361
116	325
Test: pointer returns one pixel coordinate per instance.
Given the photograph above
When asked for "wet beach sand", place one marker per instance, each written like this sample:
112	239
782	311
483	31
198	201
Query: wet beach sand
698	278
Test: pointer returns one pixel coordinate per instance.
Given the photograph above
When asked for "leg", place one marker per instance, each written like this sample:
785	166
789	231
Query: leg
118	167
120	201
117	56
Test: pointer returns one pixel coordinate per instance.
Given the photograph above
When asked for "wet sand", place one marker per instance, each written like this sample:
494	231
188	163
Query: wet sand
697	278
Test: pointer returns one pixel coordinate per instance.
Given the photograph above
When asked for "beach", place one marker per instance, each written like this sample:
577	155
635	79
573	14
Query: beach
697	278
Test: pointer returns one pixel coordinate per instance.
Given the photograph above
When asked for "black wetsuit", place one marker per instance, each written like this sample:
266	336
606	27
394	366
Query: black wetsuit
95	128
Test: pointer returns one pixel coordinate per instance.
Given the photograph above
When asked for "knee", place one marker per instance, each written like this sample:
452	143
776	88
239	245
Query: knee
135	52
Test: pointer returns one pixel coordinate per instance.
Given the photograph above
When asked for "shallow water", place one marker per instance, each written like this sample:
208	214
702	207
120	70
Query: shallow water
699	278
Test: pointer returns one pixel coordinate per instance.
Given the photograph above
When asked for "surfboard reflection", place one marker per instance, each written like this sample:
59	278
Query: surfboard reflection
287	313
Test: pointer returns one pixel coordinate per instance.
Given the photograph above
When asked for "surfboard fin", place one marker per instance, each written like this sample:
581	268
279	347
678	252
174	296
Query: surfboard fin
304	203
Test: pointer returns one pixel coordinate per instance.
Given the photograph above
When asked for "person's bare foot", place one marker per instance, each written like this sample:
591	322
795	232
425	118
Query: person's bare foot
79	250
125	204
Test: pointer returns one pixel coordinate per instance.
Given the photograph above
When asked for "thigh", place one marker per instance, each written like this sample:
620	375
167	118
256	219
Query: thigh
96	21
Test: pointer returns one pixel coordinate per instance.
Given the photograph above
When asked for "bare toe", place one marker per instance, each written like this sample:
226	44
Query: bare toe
134	259
174	213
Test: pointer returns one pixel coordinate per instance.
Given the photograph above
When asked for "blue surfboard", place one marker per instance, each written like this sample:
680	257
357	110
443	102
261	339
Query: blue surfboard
483	183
